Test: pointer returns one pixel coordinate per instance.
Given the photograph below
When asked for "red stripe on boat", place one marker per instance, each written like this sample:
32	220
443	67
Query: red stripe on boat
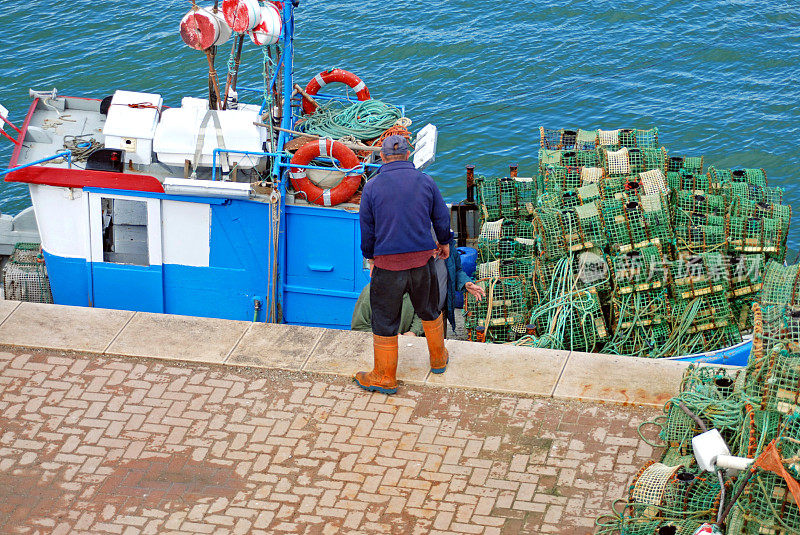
80	178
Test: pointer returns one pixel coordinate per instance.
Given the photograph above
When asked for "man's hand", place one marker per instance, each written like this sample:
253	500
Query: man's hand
371	264
443	251
409	333
475	290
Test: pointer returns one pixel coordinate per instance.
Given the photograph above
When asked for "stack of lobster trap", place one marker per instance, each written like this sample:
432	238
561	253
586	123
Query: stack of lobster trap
757	413
615	246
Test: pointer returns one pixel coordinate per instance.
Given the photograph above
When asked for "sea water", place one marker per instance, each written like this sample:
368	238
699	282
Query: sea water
720	78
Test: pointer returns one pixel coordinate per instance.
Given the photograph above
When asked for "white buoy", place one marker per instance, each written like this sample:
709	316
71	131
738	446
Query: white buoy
268	32
242	15
201	29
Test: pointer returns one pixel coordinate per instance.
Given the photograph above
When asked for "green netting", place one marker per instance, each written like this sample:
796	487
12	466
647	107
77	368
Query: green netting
640	324
627	138
709	393
655	159
569	314
767	503
611	187
647	139
693	164
580	158
644	269
699	275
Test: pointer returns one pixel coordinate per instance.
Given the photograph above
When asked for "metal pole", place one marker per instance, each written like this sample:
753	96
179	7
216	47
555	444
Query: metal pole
213	85
286	123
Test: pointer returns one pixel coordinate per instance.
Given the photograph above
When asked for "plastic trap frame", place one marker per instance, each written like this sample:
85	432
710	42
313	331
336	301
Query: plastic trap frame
25	275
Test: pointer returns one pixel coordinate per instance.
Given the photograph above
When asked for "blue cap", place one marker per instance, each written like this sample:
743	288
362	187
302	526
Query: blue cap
395	145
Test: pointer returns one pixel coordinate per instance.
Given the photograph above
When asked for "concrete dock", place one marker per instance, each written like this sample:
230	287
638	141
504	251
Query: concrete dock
123	422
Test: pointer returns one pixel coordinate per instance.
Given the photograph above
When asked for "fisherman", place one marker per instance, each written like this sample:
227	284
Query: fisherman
451	278
398	207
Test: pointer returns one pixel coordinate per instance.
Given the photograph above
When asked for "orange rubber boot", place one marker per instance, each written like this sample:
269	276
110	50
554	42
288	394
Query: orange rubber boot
383	377
434	334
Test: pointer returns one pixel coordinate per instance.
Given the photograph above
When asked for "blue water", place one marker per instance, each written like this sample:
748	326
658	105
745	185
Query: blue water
719	78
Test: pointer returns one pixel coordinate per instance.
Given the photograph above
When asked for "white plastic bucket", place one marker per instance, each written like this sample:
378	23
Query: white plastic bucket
203	29
241	15
268	32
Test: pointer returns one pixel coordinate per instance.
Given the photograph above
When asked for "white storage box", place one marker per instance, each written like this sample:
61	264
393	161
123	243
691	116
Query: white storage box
176	136
131	125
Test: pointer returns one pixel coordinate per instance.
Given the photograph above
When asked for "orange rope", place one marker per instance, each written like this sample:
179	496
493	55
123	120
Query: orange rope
395	130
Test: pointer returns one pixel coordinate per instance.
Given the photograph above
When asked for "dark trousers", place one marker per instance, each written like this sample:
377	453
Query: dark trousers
386	296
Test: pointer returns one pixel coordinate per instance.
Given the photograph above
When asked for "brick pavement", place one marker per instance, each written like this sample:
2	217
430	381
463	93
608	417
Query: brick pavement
117	445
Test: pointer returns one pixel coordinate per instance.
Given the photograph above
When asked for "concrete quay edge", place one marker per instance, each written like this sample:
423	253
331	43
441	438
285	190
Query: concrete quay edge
498	368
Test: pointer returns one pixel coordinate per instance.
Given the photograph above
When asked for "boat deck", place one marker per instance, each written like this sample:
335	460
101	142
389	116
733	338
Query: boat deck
75	117
49	128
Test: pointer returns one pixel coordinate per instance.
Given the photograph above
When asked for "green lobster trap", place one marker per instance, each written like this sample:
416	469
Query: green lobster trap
683	180
745	278
756	194
687	202
756	235
506	238
25	275
502	315
636	221
721	177
569	230
699	233
506	197
689	164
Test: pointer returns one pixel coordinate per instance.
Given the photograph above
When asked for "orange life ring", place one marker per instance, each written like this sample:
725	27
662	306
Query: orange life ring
347	161
336	75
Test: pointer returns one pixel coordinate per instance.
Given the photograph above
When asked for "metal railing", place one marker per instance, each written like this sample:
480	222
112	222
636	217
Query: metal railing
66	154
360	169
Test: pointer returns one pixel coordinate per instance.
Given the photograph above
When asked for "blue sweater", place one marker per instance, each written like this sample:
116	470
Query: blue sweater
398	207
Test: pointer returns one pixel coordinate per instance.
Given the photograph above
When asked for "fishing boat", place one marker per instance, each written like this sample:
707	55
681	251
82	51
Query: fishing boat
190	209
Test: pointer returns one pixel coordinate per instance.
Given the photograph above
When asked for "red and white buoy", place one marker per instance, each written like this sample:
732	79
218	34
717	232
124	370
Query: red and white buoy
201	29
268	32
241	15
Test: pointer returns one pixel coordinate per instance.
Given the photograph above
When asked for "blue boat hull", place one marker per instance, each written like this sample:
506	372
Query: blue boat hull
732	356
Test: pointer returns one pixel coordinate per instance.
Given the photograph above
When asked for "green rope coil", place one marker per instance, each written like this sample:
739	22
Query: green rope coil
362	120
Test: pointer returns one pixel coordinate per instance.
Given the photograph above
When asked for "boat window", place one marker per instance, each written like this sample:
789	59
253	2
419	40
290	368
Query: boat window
124	231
